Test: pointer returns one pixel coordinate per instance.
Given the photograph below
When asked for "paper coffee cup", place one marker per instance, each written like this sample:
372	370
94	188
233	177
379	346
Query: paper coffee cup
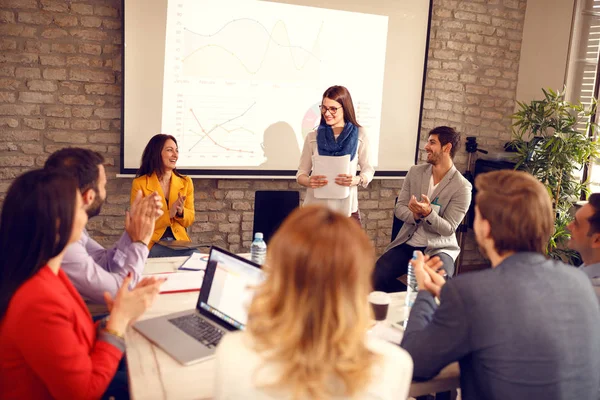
380	302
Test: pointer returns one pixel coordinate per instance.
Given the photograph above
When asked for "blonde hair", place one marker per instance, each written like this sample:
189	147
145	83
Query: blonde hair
310	317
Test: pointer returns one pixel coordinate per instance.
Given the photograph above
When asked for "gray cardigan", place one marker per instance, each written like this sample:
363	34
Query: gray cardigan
453	194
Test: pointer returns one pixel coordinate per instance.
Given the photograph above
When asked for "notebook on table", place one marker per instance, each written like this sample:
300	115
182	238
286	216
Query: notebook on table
191	336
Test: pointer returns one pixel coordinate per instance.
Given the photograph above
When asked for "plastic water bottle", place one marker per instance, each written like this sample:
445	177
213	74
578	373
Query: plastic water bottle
258	249
411	289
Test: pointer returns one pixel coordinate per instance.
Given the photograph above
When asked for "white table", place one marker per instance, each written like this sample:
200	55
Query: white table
153	374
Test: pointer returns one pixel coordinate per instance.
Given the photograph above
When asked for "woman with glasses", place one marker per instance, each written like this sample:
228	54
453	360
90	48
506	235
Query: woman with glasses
338	134
306	336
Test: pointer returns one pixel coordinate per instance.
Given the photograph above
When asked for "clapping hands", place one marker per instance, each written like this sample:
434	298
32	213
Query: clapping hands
420	209
177	207
429	273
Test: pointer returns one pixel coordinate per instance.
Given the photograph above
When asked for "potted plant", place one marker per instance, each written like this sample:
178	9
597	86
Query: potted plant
554	139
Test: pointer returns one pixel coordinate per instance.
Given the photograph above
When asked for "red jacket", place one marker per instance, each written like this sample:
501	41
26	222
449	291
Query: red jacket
48	346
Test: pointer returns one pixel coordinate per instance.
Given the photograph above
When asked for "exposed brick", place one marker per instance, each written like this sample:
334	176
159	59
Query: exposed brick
8	44
34	123
85	125
10	122
91	22
22	72
84	75
43	86
7	97
111	24
16	161
103	89
105	138
32	148
74	99
7	17
59	124
55	5
17	30
54	73
83	9
54	33
67	137
19	58
57	111
89	34
6	70
63	48
69	87
52	60
84	61
82	112
106	11
36	18
37	46
35	97
108	113
65	21
92	49
19	4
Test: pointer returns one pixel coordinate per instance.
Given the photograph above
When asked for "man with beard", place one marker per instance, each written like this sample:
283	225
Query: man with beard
585	238
525	329
433	201
94	270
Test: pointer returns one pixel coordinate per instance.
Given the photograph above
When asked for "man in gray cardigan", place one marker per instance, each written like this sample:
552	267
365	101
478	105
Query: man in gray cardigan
585	238
525	329
433	201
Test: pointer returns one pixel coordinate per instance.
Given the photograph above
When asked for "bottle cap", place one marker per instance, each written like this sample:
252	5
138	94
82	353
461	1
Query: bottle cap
258	235
414	257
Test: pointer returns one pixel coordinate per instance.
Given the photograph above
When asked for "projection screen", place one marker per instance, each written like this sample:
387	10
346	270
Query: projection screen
238	82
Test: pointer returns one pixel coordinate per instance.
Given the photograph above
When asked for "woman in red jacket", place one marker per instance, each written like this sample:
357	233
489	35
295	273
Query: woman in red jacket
49	346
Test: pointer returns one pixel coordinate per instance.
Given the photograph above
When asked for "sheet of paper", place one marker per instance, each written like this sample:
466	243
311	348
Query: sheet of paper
331	167
181	281
163	264
196	262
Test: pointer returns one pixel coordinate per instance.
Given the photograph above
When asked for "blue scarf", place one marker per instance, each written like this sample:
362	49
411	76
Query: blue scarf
347	142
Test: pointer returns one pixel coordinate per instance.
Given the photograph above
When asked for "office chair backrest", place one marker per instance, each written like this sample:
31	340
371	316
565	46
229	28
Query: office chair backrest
396	224
271	207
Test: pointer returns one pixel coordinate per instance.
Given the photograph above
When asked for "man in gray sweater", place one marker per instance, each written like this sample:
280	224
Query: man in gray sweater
528	328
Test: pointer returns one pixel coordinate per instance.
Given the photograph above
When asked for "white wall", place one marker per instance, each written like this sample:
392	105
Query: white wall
545	47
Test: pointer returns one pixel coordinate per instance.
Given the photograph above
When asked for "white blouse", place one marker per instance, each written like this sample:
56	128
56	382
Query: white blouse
239	367
350	204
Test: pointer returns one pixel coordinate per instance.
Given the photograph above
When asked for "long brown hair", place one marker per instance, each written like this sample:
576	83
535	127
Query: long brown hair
35	226
311	315
342	96
152	156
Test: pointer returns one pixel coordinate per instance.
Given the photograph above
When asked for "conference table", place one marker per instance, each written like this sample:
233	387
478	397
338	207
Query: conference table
153	374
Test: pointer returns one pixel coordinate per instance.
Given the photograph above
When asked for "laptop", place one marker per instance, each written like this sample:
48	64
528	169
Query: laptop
227	288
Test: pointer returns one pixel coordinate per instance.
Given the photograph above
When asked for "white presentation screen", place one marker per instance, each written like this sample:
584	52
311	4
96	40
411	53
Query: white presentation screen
238	82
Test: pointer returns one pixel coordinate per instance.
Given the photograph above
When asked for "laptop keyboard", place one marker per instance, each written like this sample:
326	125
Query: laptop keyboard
199	329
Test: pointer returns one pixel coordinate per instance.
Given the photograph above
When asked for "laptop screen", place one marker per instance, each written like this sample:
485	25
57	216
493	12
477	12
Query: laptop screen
228	287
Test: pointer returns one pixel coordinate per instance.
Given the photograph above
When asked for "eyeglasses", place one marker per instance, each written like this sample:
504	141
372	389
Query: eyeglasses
332	110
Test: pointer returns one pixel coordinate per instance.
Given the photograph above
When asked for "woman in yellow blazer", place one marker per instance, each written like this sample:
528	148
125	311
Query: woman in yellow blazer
158	174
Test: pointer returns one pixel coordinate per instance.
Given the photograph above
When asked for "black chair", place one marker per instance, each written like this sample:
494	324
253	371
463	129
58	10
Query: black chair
271	207
396	224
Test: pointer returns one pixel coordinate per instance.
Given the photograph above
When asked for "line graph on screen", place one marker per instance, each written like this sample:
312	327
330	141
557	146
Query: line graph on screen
273	55
213	134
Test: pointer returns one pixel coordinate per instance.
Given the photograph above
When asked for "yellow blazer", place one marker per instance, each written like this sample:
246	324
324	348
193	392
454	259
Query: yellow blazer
149	184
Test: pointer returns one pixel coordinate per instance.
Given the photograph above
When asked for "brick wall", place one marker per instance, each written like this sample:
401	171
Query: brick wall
60	85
